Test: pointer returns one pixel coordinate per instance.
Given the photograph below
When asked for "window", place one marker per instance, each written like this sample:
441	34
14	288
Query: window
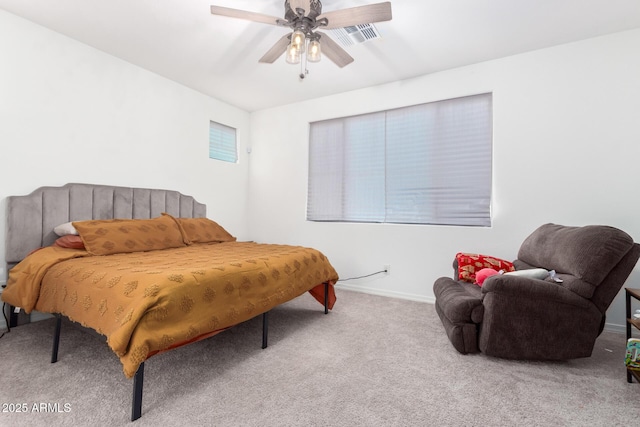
424	164
222	143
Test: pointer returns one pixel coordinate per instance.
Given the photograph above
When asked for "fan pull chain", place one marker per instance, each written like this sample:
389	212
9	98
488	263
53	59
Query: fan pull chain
303	68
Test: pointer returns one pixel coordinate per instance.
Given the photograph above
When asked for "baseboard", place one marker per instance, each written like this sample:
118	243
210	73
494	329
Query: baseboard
612	327
385	293
37	316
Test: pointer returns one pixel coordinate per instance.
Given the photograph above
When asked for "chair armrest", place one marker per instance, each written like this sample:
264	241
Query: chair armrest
533	289
534	319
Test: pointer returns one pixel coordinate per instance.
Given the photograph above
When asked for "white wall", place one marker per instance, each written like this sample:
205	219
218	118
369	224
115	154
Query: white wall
566	141
566	149
70	113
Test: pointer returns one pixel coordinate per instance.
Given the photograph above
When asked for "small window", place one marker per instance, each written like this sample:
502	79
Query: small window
222	143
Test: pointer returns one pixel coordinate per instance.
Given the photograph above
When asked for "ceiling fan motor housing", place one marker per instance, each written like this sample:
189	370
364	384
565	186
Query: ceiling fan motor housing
315	7
297	20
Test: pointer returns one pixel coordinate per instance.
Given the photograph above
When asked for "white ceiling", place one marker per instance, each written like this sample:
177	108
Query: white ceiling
218	56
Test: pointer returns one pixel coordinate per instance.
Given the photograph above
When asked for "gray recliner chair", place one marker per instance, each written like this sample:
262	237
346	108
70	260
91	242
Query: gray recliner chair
518	317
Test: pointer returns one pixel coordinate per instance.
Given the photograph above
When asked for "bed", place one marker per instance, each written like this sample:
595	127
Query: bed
146	269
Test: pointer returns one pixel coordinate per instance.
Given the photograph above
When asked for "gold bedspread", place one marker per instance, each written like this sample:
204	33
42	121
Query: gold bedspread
146	302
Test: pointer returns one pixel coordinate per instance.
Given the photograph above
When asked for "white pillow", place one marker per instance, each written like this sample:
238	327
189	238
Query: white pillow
65	229
532	273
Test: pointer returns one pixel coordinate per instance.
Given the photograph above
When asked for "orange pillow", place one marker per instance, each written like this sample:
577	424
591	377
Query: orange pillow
470	264
202	230
70	241
105	237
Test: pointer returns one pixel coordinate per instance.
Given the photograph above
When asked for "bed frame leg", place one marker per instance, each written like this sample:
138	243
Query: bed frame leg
56	339
136	406
326	298
265	328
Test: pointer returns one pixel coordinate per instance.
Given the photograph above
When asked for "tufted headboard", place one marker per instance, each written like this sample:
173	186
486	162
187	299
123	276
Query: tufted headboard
32	218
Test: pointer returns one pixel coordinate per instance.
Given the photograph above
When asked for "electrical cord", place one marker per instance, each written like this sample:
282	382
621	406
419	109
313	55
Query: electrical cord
4	314
362	277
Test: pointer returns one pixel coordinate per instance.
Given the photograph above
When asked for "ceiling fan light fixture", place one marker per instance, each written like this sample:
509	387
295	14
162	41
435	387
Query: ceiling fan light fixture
293	54
298	40
314	51
304	39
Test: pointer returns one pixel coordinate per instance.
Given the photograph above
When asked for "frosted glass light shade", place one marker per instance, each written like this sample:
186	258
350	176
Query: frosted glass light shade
298	40
293	55
314	51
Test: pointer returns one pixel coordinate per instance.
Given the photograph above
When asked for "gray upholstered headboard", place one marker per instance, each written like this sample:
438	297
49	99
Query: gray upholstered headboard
32	218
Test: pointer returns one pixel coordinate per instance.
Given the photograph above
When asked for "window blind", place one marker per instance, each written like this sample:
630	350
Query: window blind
424	164
222	143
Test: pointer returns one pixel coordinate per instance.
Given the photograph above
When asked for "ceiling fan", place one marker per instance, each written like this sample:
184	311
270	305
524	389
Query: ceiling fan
304	17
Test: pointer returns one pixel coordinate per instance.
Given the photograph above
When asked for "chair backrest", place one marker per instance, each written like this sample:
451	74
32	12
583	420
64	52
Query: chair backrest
611	285
594	261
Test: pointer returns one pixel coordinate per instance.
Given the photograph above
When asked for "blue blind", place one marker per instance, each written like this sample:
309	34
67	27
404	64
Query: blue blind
424	164
222	143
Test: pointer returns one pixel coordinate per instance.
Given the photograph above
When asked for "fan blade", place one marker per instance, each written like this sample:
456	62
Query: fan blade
243	14
277	50
358	15
333	51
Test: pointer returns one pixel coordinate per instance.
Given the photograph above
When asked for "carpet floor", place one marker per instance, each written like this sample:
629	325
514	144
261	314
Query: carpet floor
372	361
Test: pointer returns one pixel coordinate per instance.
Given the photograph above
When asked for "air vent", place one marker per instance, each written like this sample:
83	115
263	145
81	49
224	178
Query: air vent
348	36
